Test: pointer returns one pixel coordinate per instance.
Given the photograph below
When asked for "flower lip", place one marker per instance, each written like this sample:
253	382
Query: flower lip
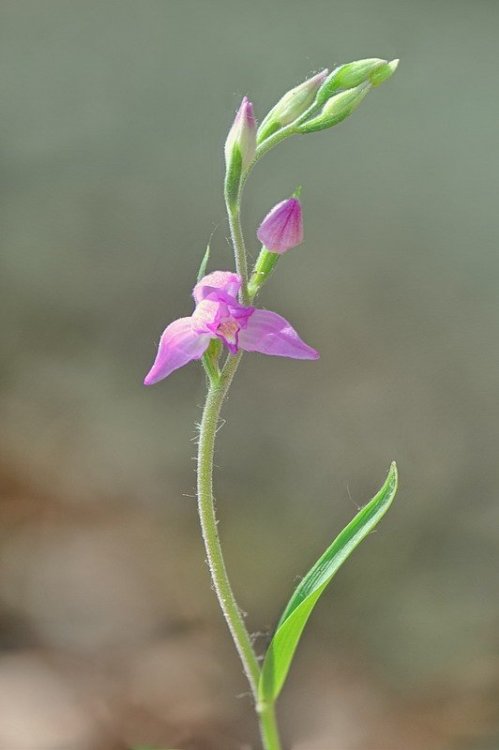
282	228
228	332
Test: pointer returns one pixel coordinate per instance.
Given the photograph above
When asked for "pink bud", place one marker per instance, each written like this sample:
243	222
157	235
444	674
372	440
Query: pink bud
282	228
242	135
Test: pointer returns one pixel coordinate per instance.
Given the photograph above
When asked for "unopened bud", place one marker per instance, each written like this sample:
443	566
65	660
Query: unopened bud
282	228
354	74
336	109
240	148
242	135
384	72
293	104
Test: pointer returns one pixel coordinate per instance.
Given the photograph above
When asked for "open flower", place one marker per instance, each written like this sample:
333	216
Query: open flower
282	228
218	314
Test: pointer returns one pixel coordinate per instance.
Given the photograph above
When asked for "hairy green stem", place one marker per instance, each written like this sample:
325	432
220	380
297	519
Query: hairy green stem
206	449
217	392
274	139
218	389
206	504
268	726
236	233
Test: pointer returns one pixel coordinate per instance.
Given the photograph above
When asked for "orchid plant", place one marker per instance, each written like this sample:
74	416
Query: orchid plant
225	315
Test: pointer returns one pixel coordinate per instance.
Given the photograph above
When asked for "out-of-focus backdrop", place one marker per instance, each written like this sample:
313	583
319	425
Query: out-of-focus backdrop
114	115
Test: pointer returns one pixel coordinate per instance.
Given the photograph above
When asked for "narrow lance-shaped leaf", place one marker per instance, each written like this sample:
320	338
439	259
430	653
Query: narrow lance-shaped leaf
294	618
204	263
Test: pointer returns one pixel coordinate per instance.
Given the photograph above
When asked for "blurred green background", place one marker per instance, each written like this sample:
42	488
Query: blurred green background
114	115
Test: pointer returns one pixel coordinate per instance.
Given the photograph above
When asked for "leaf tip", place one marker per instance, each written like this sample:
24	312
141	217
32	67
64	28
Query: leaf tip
204	263
393	475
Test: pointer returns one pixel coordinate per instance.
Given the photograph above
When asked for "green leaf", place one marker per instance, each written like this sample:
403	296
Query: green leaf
294	618
204	263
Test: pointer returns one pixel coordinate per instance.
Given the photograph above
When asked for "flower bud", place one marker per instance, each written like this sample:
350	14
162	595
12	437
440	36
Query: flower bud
336	109
294	103
384	72
240	149
282	228
242	136
353	74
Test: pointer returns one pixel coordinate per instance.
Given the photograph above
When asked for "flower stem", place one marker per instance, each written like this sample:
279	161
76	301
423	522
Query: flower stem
292	129
268	727
274	139
236	233
206	505
217	391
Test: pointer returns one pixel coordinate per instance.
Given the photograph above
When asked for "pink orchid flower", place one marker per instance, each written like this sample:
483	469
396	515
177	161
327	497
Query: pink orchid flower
218	314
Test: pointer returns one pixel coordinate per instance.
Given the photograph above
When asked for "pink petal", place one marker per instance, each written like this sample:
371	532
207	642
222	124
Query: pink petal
282	228
269	333
178	345
225	281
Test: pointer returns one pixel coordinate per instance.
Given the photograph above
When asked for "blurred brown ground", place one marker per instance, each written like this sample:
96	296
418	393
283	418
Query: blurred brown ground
113	121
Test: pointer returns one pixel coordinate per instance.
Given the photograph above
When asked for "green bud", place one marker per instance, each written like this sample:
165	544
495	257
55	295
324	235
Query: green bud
383	73
293	104
353	74
336	109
